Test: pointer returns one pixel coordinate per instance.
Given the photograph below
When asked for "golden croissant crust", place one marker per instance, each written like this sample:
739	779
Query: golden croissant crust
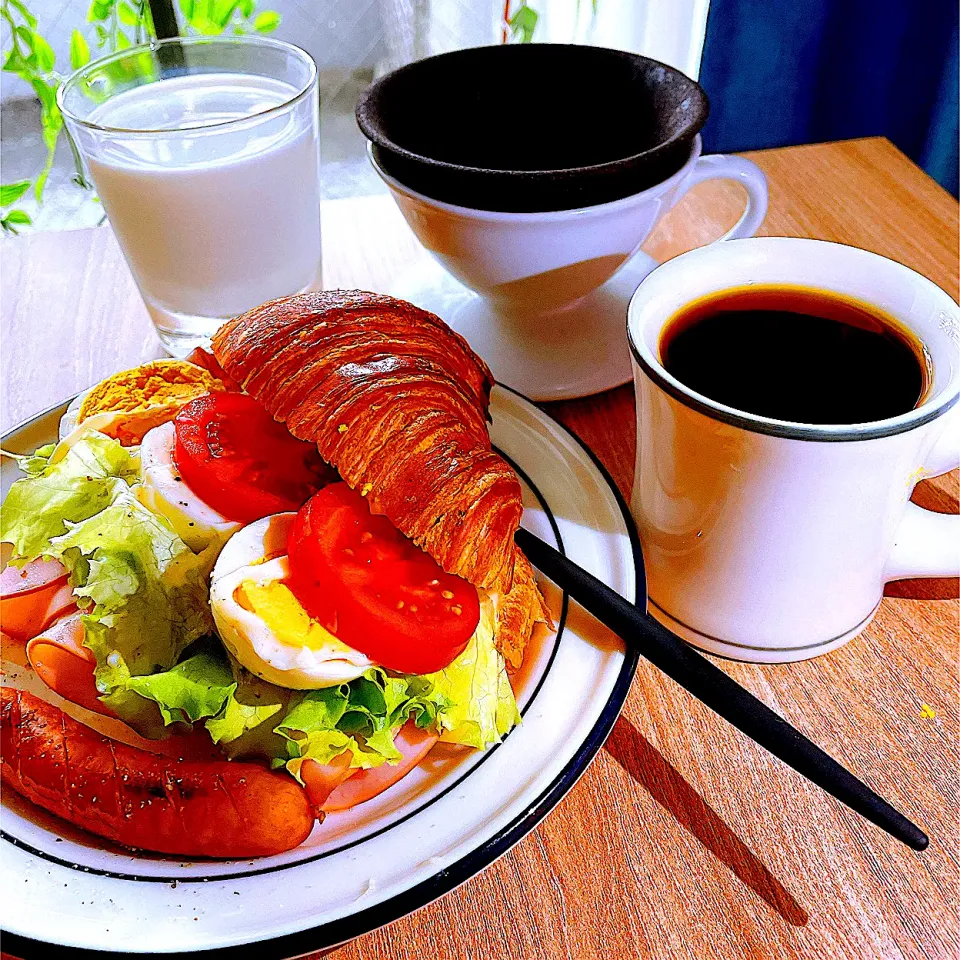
519	611
397	402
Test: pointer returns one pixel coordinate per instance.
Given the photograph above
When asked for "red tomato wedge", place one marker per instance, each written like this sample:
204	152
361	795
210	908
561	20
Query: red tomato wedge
235	457
65	665
32	597
374	589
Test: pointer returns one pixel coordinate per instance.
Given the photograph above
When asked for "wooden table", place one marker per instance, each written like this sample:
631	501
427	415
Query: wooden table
684	839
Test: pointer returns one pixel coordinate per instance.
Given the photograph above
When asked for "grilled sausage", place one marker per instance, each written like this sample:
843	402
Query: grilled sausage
140	799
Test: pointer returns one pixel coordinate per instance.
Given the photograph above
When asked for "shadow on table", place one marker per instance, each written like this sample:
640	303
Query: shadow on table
651	770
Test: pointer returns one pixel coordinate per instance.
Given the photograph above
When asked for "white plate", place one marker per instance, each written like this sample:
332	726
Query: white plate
366	867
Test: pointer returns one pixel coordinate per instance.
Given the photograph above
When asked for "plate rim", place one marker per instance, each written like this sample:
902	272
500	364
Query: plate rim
335	933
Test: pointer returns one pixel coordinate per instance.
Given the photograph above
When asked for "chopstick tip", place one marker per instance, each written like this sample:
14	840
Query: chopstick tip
919	841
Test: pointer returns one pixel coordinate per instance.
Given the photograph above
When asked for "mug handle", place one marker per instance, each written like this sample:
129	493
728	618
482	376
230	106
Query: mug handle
927	544
719	166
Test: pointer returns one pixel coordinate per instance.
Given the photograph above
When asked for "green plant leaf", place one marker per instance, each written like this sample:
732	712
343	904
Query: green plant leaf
14	219
51	119
127	14
523	23
204	26
79	50
223	11
267	21
100	10
26	38
186	8
51	123
12	192
15	62
24	12
199	15
121	41
46	58
247	7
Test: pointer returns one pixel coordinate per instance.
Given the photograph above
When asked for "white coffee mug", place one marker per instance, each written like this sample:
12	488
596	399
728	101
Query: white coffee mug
770	541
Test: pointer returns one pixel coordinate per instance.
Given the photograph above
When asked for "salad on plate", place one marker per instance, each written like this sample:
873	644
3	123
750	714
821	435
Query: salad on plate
287	566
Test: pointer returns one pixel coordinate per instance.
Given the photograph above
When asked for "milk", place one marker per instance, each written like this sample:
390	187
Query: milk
217	220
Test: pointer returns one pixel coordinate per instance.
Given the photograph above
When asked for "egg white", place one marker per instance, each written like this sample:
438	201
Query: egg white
71	428
258	553
163	491
71	416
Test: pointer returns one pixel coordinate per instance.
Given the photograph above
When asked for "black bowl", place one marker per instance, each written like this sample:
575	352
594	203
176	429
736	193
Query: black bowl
532	127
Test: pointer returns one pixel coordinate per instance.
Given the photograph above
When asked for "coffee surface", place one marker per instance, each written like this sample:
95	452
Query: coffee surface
797	354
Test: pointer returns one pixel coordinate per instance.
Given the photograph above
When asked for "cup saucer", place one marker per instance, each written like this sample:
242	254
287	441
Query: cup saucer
575	352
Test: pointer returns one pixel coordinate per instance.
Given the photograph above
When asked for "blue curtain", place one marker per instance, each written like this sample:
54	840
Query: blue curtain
803	71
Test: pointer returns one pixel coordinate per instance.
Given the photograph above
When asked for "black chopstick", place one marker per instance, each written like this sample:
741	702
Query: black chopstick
709	684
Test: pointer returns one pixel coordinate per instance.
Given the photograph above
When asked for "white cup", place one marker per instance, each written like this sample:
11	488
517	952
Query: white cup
534	264
770	541
550	288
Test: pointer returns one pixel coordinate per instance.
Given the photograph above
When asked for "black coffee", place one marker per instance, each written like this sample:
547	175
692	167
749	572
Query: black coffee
795	353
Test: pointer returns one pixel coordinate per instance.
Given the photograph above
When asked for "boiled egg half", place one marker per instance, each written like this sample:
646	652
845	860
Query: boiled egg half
263	624
164	491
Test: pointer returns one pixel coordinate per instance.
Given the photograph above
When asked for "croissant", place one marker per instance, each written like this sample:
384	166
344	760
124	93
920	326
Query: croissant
398	403
519	611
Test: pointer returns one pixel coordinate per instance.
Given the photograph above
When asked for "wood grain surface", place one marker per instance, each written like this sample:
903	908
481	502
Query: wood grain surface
683	839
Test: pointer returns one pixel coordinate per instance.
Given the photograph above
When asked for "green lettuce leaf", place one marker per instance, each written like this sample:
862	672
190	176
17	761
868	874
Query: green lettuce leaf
481	707
254	698
235	719
145	593
325	746
362	716
202	687
194	689
33	464
89	477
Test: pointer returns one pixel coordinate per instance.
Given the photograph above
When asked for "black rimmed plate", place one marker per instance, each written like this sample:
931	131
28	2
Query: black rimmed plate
366	867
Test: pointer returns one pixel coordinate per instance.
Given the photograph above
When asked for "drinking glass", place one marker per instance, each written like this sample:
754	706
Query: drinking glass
205	153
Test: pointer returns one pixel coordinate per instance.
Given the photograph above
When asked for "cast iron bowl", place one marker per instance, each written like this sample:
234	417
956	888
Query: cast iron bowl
532	127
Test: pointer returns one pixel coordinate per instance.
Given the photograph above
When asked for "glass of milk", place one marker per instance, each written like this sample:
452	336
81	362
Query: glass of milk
205	153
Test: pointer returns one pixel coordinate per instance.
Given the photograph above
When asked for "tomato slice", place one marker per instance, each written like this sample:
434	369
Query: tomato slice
374	589
235	457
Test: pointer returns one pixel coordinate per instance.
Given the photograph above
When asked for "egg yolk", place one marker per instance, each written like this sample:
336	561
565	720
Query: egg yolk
283	615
